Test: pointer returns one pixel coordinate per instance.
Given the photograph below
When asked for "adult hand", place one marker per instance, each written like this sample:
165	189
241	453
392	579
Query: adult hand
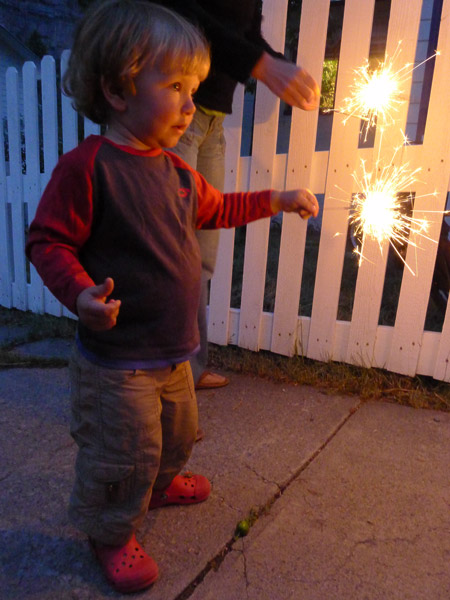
289	82
94	311
300	201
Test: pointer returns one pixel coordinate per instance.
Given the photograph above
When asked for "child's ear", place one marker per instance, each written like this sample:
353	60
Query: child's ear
113	96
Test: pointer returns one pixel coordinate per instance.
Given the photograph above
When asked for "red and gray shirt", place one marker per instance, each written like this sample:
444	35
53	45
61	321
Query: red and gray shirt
112	211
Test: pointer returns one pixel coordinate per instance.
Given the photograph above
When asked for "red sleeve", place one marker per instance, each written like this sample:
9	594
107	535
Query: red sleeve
217	210
63	224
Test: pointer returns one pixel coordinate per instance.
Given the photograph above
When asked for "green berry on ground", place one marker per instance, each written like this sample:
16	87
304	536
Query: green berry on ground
242	528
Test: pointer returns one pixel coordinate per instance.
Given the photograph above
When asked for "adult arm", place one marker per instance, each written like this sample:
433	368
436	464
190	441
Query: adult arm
234	53
242	55
288	81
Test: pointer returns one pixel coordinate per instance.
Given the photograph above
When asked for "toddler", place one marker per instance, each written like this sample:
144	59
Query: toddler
114	240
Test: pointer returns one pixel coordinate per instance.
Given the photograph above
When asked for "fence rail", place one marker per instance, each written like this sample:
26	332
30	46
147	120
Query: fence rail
50	126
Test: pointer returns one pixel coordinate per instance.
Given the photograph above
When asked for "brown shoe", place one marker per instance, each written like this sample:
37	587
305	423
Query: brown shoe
200	434
209	380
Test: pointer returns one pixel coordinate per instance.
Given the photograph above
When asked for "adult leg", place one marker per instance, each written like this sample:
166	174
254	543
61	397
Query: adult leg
203	147
211	164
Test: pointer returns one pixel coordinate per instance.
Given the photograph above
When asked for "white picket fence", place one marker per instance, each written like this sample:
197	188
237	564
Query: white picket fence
405	347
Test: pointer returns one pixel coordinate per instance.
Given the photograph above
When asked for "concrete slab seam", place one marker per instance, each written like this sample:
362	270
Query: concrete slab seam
216	561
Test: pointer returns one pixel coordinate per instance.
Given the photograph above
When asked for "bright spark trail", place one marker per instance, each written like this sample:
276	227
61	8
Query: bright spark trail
381	209
376	94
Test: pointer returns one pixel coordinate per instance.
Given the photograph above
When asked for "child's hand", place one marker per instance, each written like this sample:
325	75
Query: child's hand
93	309
302	202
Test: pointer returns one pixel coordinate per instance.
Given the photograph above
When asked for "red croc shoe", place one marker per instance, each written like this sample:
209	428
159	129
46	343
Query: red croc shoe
184	489
128	568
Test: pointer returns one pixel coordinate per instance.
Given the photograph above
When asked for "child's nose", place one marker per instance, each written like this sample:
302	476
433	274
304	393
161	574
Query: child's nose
189	106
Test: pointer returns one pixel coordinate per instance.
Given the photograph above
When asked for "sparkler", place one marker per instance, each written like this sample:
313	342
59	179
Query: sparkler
382	209
376	94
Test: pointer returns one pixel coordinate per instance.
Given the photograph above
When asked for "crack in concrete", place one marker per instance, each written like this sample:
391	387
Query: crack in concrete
244	558
216	561
261	477
4	477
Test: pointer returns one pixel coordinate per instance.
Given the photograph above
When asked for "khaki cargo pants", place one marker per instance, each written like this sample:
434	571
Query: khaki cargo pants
134	430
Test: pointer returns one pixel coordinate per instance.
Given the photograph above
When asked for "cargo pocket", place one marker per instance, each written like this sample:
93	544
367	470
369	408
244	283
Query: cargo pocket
105	484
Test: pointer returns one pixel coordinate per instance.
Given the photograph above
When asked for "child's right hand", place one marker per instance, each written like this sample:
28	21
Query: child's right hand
94	311
301	201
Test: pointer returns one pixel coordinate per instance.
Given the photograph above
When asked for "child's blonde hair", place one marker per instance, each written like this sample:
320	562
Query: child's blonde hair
113	41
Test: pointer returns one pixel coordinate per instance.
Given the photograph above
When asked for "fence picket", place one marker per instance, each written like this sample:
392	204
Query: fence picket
5	231
403	25
32	188
15	190
220	291
406	347
50	147
263	154
69	115
414	293
356	33
90	128
313	32
441	366
69	125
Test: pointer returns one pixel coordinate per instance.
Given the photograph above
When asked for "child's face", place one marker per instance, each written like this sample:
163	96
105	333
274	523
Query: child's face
158	114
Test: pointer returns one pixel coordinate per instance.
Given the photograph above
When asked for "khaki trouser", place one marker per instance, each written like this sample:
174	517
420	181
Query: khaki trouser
202	146
134	430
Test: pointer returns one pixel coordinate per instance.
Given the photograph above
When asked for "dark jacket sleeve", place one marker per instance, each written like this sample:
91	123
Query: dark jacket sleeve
235	51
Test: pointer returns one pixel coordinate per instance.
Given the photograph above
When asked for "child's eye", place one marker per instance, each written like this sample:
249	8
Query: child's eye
176	86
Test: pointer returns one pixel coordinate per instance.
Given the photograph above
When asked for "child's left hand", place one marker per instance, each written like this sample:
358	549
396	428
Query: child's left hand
95	310
301	201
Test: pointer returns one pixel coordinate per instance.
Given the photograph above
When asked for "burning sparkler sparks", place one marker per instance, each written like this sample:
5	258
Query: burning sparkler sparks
382	209
376	94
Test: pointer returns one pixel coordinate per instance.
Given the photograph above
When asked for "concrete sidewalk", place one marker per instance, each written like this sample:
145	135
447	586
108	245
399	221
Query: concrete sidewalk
353	499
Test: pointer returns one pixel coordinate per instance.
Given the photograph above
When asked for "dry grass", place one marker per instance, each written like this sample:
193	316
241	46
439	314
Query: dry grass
29	327
38	327
336	378
331	377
